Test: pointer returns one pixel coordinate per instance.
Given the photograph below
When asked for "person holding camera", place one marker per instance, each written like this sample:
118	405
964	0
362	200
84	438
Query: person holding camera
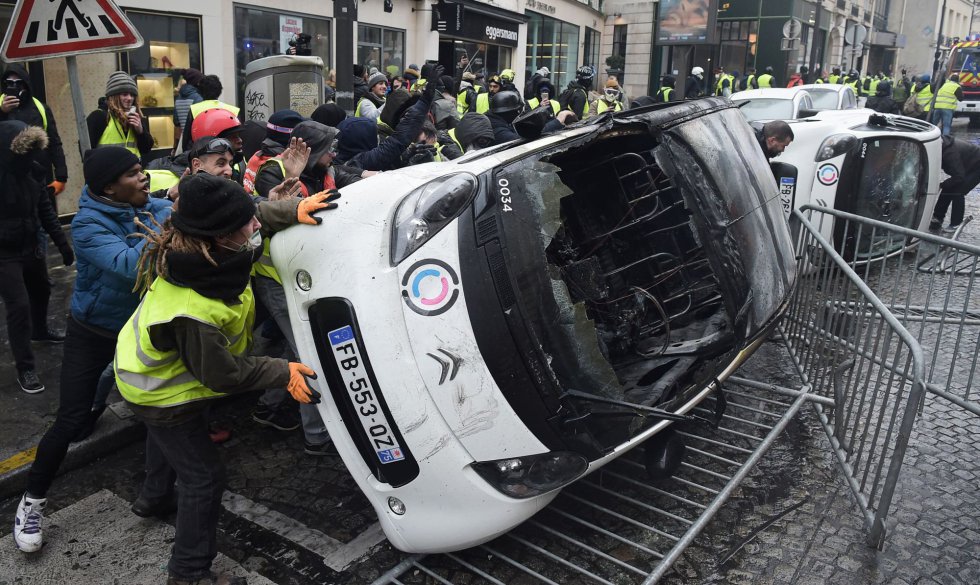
118	121
300	45
19	103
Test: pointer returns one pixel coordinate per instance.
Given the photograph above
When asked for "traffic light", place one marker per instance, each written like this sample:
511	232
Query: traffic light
389	5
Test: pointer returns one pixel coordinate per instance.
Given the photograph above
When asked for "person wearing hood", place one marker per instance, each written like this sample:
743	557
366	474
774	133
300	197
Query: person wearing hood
666	93
531	87
187	343
473	132
961	161
113	204
835	76
444	112
358	146
318	173
187	96
19	103
24	285
694	88
507	77
120	122
277	132
411	75
882	100
610	100
576	95
360	82
505	106
544	96
370	105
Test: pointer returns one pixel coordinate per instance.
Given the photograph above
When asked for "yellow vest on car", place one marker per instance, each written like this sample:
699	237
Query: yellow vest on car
211	104
148	376
946	96
161	179
924	97
113	135
602	105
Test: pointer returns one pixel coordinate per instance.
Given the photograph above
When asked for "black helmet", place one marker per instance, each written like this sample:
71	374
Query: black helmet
769	70
585	72
506	101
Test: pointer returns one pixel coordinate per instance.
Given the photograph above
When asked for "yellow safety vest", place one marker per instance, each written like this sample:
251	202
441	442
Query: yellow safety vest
834	78
148	376
534	102
764	80
264	266
946	96
40	110
819	80
924	97
357	110
439	146
663	94
211	104
749	80
721	79
601	106
873	87
461	106
161	179
113	136
483	103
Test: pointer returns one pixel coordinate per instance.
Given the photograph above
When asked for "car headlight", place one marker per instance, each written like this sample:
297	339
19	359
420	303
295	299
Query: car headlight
835	145
428	209
532	475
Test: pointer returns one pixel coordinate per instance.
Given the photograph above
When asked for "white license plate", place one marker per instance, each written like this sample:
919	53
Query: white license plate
363	395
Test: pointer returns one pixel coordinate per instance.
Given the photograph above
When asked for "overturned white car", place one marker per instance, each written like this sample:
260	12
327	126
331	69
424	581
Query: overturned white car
493	328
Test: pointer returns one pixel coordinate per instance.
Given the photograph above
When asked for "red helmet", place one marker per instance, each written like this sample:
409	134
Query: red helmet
212	123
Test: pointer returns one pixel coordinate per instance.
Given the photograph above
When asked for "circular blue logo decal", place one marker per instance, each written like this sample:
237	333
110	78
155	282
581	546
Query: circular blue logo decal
430	287
828	174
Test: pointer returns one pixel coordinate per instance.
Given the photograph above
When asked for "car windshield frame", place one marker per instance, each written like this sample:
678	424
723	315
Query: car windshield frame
825	99
767	109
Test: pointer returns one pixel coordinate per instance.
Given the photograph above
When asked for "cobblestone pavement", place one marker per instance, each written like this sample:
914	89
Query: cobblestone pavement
297	519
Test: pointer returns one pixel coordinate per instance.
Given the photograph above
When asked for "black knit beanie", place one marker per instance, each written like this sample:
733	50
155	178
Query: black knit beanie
104	165
211	206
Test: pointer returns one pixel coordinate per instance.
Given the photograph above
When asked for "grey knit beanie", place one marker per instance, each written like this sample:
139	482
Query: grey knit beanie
375	79
120	82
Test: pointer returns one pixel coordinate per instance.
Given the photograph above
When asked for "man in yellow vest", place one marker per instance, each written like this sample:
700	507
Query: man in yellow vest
370	105
922	90
187	343
947	98
724	86
468	92
210	89
610	99
666	92
765	80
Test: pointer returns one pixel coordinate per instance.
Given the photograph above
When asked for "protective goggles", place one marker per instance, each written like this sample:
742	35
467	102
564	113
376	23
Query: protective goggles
214	146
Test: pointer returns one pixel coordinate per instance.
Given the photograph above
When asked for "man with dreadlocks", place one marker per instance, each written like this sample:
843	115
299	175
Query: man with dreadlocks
187	343
115	194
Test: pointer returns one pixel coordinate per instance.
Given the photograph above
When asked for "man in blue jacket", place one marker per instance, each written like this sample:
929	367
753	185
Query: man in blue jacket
116	194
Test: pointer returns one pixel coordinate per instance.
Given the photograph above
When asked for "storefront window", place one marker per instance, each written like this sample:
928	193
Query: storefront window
172	43
263	33
383	48
738	41
553	44
590	55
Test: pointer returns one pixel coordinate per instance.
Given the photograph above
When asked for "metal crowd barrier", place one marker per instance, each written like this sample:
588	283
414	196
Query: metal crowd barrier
865	306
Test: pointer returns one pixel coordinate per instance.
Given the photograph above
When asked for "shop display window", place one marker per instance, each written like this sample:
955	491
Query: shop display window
383	48
172	43
553	44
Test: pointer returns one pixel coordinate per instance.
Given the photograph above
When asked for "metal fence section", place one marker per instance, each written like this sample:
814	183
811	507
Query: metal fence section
932	288
616	525
850	348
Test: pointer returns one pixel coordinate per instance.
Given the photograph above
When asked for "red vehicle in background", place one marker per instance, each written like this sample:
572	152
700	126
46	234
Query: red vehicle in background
964	59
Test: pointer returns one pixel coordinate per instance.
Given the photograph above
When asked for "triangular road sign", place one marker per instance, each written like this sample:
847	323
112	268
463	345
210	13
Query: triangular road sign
40	29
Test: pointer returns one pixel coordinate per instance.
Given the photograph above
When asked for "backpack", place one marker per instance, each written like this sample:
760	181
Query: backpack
912	107
566	97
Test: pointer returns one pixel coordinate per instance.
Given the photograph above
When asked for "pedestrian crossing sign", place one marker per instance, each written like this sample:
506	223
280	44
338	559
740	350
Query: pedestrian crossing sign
40	29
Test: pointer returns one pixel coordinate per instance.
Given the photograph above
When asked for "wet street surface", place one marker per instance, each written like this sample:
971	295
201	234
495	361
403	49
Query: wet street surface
292	518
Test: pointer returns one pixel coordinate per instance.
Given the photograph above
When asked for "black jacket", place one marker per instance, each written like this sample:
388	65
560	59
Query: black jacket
471	128
99	119
884	104
52	160
961	161
360	88
503	131
26	207
694	87
575	98
359	147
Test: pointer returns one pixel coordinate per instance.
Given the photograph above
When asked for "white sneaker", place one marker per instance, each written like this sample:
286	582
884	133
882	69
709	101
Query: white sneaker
27	523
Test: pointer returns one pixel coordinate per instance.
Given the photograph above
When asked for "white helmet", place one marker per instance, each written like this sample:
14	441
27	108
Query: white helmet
697	71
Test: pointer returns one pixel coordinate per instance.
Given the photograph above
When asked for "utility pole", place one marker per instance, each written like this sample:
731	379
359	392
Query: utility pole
813	41
935	63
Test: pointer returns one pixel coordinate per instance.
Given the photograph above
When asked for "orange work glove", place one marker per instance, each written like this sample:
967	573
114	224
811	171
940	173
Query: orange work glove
314	203
58	187
297	385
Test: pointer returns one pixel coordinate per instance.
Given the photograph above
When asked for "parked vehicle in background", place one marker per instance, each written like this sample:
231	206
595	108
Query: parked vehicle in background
774	103
495	327
883	167
831	96
964	59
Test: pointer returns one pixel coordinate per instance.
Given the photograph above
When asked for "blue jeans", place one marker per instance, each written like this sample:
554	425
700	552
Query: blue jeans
943	117
185	453
273	297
